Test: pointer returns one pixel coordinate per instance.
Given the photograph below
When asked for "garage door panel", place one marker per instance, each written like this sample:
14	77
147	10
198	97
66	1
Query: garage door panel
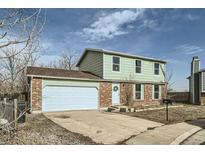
57	98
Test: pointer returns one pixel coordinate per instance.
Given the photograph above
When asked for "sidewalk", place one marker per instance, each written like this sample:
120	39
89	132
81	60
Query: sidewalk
165	135
195	139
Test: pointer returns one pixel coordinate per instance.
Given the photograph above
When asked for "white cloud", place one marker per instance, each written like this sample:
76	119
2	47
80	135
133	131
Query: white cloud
192	17
110	25
172	61
189	49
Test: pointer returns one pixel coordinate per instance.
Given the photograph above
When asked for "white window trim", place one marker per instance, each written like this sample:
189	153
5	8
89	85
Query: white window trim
154	92
142	92
135	66
154	69
119	64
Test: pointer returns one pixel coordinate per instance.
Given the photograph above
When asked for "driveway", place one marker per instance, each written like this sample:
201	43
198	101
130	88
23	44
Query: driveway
101	127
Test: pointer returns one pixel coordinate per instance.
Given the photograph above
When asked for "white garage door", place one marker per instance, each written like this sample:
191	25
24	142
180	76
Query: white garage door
59	98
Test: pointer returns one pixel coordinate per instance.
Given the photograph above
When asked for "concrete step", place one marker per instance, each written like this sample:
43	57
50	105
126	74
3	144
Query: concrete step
118	108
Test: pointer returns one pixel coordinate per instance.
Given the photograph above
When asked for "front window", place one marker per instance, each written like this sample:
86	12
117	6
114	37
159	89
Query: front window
138	66
116	64
138	91
156	68
156	91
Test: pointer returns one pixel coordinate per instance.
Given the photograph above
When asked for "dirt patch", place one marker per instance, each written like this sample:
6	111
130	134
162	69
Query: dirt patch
41	131
62	116
176	115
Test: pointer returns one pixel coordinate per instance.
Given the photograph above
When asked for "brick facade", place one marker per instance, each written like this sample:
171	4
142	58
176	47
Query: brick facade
36	94
105	94
147	97
126	88
126	94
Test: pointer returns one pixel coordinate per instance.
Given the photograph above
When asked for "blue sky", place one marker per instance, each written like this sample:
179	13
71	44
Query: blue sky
175	35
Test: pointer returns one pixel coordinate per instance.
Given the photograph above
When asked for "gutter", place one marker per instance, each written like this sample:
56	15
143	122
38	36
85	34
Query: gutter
95	80
31	80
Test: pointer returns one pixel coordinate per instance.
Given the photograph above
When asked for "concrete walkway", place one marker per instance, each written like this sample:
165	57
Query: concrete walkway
167	134
195	139
102	127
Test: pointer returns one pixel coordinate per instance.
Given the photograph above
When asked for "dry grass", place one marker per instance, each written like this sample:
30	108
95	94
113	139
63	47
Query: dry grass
40	130
180	114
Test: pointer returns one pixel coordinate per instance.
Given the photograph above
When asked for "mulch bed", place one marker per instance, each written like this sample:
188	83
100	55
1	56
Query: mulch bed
39	130
176	115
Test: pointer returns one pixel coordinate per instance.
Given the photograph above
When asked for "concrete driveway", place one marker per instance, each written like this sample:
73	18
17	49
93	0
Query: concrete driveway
102	127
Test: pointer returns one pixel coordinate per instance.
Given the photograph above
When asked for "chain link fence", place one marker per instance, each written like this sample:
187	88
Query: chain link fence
12	111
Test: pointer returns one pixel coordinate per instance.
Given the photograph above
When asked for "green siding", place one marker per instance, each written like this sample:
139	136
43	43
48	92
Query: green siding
127	70
61	82
92	62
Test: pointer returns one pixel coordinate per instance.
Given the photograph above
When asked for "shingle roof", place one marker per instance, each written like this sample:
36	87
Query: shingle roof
117	53
202	70
53	72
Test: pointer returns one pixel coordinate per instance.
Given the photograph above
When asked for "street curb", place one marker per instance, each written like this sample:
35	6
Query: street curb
184	136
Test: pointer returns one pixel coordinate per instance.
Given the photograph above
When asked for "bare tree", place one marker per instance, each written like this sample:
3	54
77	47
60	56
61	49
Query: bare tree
168	80
19	45
68	60
128	91
19	27
13	66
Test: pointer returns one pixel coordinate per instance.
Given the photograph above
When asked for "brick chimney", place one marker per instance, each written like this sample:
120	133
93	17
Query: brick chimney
194	80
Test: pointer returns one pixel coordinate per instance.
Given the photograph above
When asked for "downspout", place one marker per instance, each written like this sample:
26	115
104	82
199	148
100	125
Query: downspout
31	92
193	82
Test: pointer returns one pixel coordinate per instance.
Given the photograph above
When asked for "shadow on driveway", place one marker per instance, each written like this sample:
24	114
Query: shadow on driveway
198	122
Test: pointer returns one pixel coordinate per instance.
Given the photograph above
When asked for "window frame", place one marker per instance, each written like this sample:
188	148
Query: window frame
116	64
138	66
158	69
140	92
156	92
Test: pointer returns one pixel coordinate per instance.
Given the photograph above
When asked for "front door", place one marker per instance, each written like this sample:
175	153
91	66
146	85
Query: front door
115	93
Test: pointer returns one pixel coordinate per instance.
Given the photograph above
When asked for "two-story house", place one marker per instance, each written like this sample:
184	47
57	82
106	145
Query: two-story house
104	78
197	83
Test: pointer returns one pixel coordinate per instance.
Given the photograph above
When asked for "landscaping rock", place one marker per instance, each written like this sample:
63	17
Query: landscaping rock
3	122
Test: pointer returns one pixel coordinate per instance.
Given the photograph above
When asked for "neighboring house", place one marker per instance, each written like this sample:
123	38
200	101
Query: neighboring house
101	81
197	83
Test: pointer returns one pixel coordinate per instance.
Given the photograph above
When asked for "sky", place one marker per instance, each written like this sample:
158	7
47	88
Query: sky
174	35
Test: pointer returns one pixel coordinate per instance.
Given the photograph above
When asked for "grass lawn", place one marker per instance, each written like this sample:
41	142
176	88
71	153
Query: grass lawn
40	130
179	114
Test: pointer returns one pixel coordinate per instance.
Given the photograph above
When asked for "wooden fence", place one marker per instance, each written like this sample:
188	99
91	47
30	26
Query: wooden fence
179	97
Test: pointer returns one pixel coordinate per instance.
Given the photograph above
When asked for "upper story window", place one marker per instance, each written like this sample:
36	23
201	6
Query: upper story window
116	64
156	91
138	66
156	68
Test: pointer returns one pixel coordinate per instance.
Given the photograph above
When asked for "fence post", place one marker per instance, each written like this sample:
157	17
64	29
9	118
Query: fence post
4	100
15	113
